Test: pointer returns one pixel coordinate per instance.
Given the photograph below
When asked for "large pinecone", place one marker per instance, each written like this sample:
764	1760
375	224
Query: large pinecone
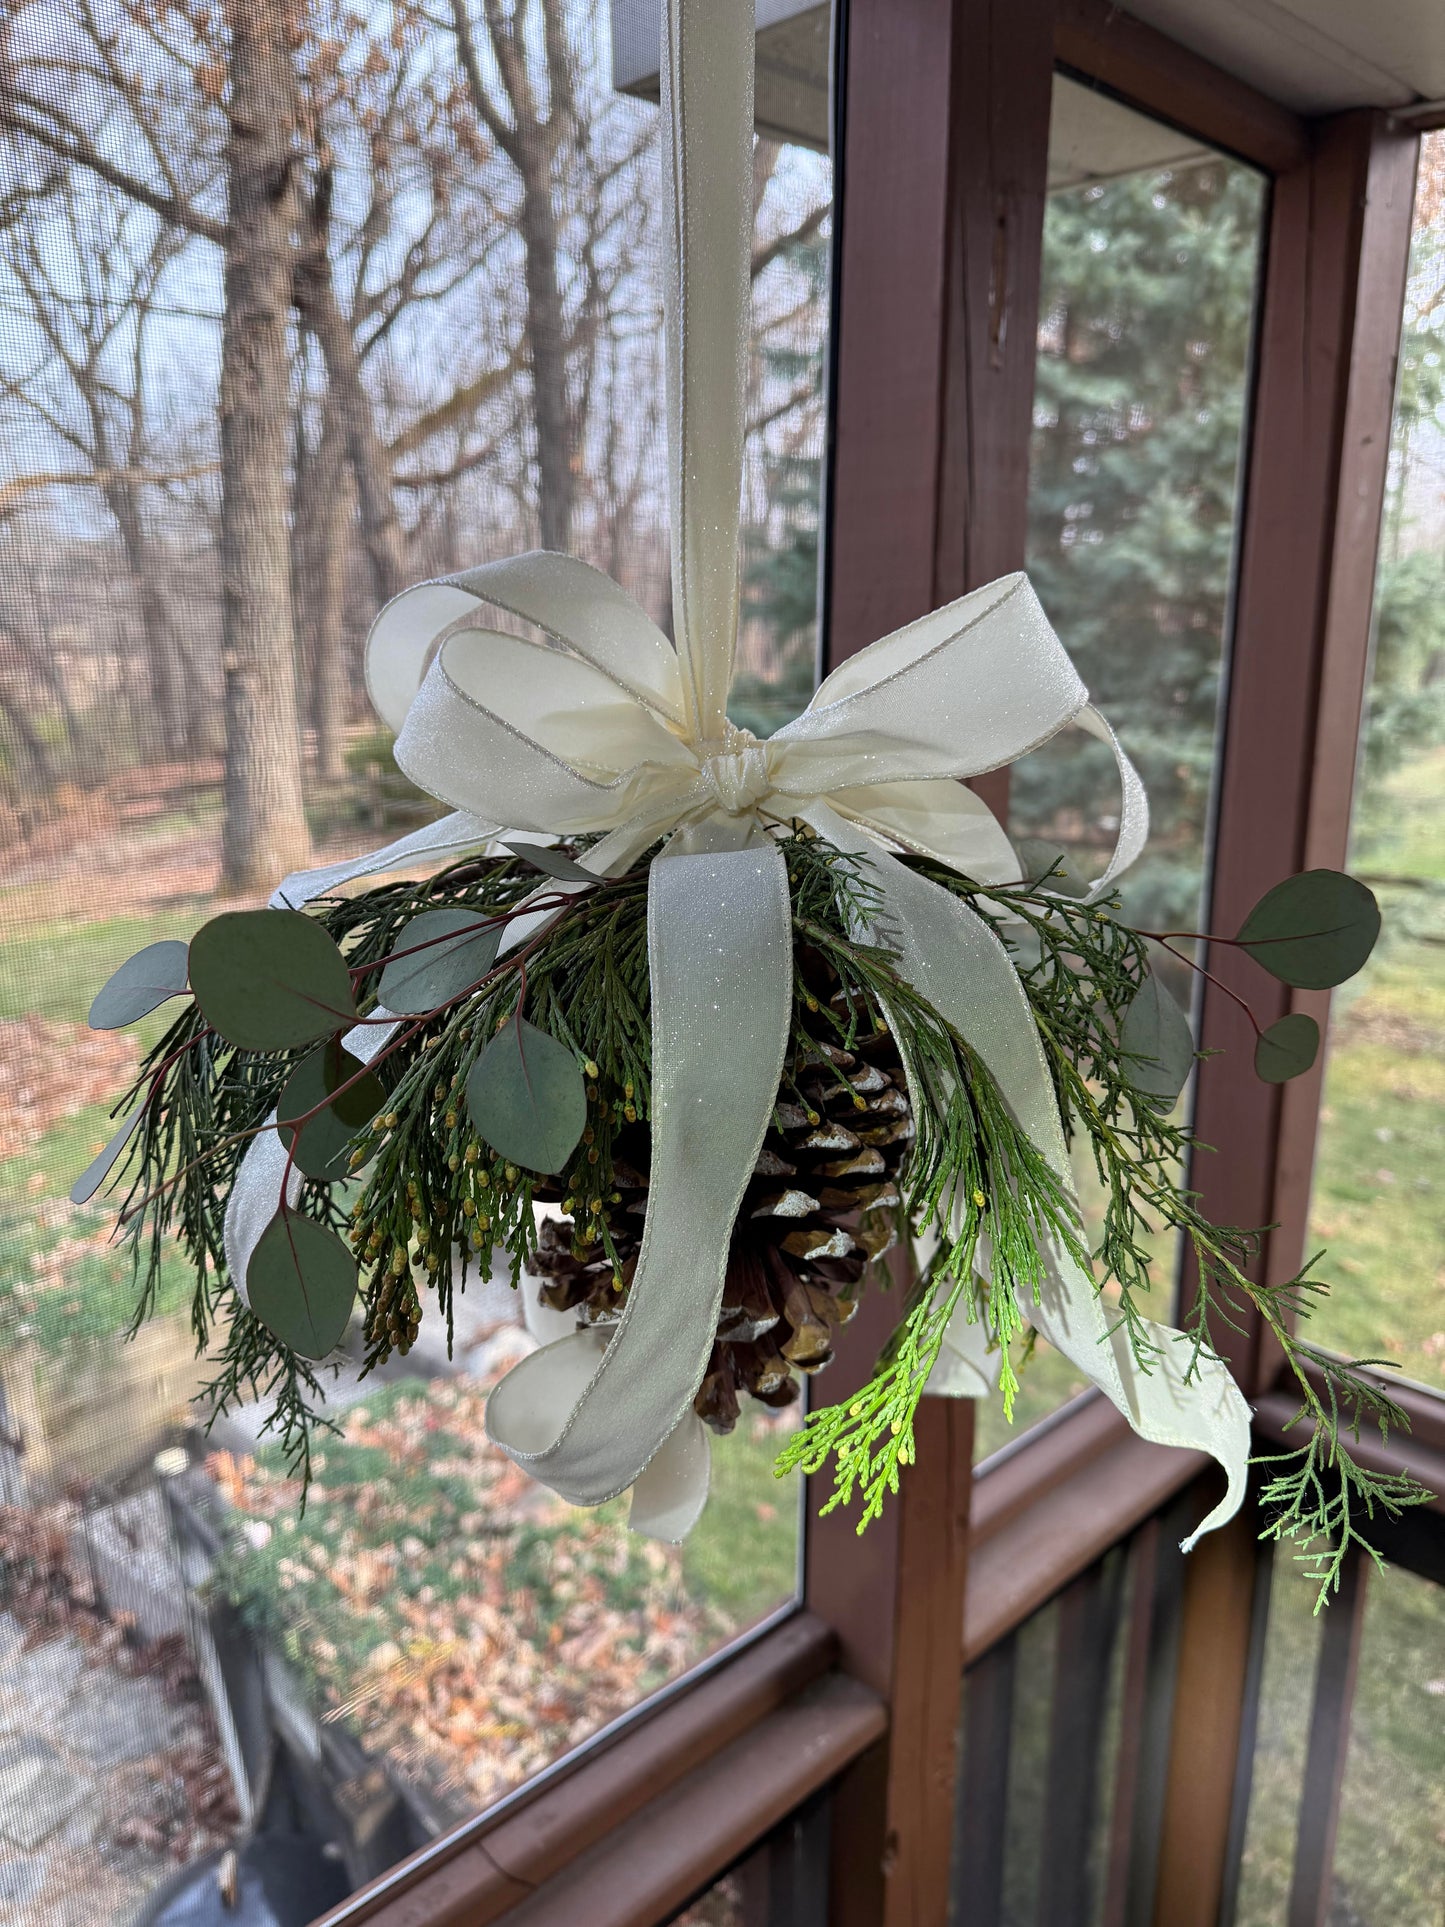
820	1208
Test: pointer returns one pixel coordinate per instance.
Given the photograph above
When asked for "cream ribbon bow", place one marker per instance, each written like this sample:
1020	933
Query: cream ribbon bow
607	727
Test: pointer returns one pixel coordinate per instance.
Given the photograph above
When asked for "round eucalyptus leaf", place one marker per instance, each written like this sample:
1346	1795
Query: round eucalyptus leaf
1313	930
1287	1048
98	1170
270	979
142	984
450	950
526	1097
321	1148
552	863
301	1284
1156	1036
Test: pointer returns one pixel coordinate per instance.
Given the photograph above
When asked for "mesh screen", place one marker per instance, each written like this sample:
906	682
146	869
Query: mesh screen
298	304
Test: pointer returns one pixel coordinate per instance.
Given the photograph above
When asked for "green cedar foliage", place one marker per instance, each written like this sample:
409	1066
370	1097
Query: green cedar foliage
432	1202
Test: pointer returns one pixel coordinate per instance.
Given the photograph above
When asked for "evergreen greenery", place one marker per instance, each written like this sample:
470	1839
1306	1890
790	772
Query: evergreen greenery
432	1201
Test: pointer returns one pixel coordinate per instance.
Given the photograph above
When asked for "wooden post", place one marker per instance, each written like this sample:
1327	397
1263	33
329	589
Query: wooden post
1214	1649
941	196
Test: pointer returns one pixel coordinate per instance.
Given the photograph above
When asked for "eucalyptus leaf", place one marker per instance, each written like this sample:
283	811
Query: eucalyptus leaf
437	971
321	1147
142	984
270	979
1287	1048
1313	930
553	863
301	1284
98	1170
1155	1034
526	1097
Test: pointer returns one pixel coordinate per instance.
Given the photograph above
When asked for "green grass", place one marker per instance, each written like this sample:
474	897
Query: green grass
96	1301
1379	1203
1389	1870
742	1556
1389	1862
53	970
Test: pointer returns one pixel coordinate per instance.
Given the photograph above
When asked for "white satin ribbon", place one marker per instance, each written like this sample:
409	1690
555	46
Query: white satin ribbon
605	727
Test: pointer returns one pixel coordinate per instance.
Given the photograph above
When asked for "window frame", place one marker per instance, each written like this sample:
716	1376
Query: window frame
936	276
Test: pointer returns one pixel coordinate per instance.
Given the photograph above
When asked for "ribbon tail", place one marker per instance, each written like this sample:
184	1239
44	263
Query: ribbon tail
587	1420
966	1366
672	1488
454	832
953	959
1134	805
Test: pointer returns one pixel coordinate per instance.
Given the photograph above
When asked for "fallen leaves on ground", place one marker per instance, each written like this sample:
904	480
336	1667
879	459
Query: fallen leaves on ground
462	1621
50	1071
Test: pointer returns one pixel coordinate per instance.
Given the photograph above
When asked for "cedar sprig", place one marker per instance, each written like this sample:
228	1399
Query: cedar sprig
430	1200
1081	965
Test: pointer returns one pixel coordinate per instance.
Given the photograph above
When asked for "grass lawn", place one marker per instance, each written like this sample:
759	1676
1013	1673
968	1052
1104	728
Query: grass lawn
54	969
1379	1204
1389	1869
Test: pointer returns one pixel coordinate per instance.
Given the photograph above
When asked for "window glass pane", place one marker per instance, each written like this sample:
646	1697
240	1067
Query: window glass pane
1387	1866
1151	245
1390	1848
1040	1740
1379	1200
440	344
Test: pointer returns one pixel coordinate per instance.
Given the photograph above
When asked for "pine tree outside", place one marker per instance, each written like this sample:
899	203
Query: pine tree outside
1141	389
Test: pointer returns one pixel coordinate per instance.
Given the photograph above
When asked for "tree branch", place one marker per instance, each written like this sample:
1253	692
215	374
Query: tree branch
66	144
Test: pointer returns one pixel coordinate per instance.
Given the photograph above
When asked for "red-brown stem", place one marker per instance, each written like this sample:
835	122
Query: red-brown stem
1209	975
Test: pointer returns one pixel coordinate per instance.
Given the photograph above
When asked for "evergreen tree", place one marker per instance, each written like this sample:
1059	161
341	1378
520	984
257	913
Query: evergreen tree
1142	380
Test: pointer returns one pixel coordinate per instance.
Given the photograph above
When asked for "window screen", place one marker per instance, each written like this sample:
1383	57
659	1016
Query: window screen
1377	1199
298	305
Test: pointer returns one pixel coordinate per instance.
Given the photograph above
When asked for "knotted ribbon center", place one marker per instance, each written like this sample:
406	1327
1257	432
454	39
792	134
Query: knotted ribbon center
735	769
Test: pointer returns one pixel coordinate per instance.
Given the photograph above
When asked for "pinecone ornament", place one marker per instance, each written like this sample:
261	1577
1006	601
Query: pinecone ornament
822	1206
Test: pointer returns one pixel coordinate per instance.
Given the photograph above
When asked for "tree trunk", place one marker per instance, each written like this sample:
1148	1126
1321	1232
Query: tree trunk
531	142
547	338
347	399
265	831
163	662
323	512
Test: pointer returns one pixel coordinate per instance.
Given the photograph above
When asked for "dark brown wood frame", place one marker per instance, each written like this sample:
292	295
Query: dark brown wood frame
937	292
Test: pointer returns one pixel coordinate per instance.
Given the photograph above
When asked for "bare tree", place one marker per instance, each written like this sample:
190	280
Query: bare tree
192	114
265	825
531	128
91	283
325	510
